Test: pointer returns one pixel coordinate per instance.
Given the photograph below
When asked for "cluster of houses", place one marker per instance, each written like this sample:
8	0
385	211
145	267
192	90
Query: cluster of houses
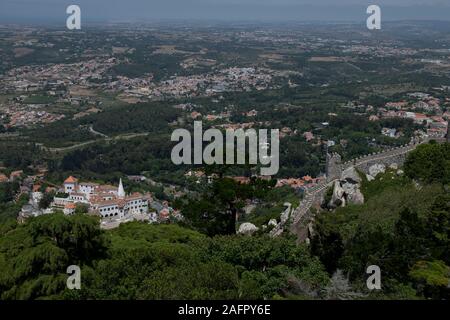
231	79
12	176
422	108
300	183
24	115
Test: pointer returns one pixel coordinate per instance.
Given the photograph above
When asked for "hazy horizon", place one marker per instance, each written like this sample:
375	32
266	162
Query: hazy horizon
53	11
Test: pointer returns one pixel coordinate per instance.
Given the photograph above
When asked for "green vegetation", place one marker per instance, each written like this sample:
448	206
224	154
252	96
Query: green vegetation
402	228
271	205
19	155
9	208
39	99
430	163
215	211
139	261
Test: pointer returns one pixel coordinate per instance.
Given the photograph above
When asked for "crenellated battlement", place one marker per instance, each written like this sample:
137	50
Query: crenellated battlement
387	157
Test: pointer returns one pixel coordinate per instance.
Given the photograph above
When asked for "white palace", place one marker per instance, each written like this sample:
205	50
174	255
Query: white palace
103	200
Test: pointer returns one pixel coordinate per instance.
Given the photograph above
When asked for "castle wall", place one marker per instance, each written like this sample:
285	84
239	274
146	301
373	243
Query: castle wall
387	158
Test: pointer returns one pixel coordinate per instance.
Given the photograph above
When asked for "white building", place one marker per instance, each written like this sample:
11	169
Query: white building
104	200
70	184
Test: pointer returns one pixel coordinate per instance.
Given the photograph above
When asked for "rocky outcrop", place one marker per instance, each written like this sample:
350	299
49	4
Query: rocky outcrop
353	193
272	223
355	196
393	166
347	189
338	199
286	214
376	169
247	229
351	174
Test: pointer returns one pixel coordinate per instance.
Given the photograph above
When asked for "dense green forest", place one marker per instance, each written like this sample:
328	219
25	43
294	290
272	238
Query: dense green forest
138	261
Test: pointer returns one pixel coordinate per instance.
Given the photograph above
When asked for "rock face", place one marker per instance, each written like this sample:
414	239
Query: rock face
272	223
376	169
351	174
338	198
393	166
356	198
247	228
286	214
347	189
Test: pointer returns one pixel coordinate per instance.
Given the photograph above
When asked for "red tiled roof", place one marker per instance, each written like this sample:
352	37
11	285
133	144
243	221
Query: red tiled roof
71	180
70	206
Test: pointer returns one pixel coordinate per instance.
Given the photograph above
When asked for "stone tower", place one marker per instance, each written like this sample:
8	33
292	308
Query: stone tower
334	166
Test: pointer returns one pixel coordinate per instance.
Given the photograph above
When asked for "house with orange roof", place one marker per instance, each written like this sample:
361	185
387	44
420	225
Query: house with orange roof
69	208
15	174
3	178
419	118
70	184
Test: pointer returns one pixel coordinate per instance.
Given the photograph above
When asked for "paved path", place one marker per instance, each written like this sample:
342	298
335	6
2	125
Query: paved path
308	201
91	129
104	139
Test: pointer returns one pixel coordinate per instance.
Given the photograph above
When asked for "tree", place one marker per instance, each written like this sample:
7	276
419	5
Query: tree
429	163
339	288
7	191
46	200
81	208
35	255
432	278
215	211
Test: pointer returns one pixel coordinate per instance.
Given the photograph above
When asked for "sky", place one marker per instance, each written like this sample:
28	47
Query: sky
31	11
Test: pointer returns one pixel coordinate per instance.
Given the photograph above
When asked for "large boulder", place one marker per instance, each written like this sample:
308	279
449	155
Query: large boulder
351	175
352	192
286	213
247	229
272	223
376	169
348	187
338	195
347	190
356	197
393	166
